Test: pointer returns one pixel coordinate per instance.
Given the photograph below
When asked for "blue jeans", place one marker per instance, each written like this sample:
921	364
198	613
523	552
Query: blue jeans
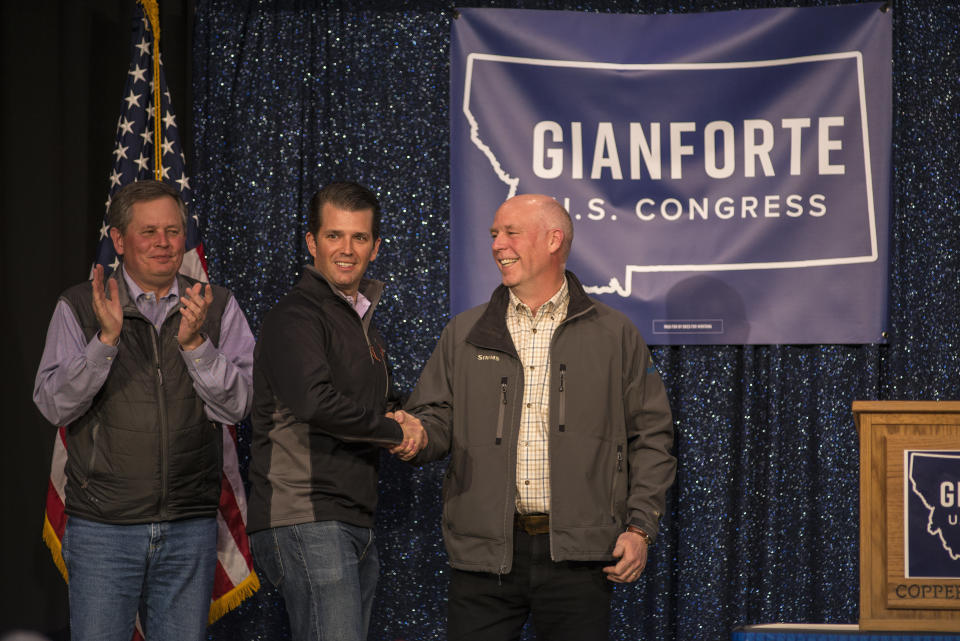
163	570
327	572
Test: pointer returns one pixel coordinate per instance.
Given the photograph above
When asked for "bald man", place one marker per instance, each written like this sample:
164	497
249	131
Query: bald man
559	436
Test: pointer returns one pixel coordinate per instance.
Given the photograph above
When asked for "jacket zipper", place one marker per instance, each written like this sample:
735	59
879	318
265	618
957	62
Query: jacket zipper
164	437
371	347
383	363
503	406
563	398
508	522
616	477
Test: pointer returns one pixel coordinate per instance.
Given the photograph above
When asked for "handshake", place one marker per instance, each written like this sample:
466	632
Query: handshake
414	436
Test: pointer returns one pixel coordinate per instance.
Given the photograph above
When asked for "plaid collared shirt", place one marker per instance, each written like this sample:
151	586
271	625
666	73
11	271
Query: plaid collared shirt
532	337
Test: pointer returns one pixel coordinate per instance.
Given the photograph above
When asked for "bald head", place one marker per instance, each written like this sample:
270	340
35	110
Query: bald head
549	213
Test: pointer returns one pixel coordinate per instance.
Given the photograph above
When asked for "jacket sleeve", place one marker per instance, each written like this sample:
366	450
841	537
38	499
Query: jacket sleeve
294	362
72	369
223	376
649	436
432	399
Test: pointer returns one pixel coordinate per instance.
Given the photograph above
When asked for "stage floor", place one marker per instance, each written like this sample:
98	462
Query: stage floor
830	632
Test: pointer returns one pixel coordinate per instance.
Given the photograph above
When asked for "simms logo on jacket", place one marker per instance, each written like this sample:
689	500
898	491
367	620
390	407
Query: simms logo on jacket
488	357
932	520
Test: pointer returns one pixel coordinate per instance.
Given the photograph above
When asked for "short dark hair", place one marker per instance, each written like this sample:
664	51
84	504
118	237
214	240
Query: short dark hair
121	204
346	195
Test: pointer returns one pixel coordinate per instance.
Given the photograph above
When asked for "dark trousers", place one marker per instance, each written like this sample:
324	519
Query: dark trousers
569	601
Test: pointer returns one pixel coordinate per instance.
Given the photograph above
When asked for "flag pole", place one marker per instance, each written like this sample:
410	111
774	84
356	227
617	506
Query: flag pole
152	9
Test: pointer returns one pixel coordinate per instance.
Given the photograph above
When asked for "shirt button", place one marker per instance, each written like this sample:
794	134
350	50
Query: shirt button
532	367
526	482
529	404
534	330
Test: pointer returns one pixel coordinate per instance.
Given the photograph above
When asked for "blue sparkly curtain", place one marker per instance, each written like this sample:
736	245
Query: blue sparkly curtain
763	519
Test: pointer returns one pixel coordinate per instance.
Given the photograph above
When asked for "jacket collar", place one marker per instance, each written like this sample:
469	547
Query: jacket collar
315	285
490	331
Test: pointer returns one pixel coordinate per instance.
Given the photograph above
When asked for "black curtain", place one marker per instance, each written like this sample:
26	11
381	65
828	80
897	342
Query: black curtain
63	69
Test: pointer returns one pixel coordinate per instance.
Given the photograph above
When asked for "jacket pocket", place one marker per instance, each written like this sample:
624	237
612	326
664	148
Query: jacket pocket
87	472
502	409
474	491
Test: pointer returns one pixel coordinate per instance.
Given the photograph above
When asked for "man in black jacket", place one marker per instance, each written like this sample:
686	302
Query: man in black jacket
320	395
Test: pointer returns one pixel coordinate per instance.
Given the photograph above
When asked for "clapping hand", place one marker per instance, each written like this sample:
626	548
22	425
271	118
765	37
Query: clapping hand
107	309
193	312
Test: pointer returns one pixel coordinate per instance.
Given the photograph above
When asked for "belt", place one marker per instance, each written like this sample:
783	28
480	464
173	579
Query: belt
532	523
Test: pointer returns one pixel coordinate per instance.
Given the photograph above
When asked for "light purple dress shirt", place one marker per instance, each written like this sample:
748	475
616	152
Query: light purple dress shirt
73	370
360	306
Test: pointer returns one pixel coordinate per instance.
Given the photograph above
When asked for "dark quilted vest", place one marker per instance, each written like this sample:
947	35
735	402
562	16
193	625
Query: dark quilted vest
144	451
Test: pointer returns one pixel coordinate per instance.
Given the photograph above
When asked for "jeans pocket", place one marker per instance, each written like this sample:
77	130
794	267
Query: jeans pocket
266	552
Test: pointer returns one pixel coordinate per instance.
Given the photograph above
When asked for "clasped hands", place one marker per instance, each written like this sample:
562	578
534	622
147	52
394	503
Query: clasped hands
414	436
193	311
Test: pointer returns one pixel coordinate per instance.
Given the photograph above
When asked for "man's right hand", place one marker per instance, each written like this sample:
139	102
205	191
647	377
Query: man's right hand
108	310
414	436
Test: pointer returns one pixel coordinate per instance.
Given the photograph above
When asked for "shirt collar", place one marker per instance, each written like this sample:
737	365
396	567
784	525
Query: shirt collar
361	305
560	298
136	292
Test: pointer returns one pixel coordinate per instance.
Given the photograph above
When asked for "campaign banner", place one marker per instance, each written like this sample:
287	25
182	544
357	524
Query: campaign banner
931	495
727	173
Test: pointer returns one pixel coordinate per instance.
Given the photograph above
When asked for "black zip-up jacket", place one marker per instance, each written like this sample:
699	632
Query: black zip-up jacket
145	451
320	383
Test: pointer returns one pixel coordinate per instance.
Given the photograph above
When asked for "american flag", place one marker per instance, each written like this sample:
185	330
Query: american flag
148	146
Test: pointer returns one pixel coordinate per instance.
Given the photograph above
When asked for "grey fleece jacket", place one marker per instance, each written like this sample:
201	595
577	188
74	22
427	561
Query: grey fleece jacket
610	432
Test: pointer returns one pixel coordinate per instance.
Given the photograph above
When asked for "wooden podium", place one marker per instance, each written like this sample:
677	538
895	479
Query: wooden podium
890	600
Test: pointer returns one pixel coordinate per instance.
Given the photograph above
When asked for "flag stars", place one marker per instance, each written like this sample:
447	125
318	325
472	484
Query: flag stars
138	74
115	264
133	100
125	126
150	109
169	120
147	136
115	178
142	162
184	182
120	151
144	47
167	146
165	173
105	228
